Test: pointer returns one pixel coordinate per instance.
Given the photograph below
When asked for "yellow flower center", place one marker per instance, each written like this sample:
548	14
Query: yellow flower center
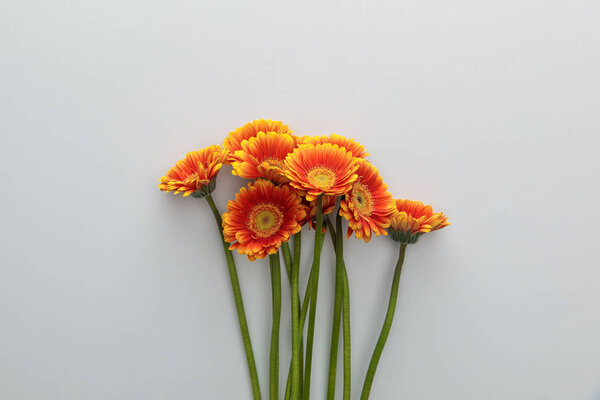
321	177
265	220
362	199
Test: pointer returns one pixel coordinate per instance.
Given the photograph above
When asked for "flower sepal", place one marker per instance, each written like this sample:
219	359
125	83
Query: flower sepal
404	237
206	190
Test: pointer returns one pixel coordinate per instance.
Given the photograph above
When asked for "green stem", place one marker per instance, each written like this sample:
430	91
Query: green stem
331	230
287	260
296	319
289	263
314	284
288	386
239	303
276	296
346	318
345	306
303	314
294	268
387	324
337	309
307	299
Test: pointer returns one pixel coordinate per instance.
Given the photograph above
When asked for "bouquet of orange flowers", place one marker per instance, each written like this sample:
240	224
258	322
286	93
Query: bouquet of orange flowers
295	181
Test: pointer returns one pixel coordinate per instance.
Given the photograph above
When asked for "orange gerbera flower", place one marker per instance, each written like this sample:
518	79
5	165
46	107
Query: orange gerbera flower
368	206
411	219
321	169
233	142
195	173
357	149
261	217
262	156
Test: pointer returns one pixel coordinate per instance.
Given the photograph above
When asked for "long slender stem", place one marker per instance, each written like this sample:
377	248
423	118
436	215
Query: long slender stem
287	260
239	302
387	324
307	298
331	230
345	308
347	347
274	354
313	300
296	319
337	310
289	265
294	268
303	314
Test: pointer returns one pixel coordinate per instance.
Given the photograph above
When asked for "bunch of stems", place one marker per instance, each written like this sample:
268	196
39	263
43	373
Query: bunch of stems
299	375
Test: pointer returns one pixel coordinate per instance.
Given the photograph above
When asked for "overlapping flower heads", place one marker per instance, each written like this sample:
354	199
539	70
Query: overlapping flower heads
297	181
333	167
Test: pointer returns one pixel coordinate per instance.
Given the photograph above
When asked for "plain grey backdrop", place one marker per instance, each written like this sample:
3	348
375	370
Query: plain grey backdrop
489	111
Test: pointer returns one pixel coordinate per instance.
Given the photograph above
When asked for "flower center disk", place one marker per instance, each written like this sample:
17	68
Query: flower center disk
362	199
322	178
265	220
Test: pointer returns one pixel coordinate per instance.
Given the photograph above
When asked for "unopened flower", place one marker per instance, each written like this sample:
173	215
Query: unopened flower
412	219
368	206
322	169
195	174
261	217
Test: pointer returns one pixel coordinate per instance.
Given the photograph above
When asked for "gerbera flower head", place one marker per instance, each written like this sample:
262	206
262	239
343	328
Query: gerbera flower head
195	174
233	142
261	217
411	219
357	149
368	206
321	169
262	156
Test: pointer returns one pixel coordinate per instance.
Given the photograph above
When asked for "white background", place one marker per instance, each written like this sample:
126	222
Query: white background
489	111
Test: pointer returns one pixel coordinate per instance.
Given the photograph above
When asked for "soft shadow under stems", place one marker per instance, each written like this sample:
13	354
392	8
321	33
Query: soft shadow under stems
239	303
